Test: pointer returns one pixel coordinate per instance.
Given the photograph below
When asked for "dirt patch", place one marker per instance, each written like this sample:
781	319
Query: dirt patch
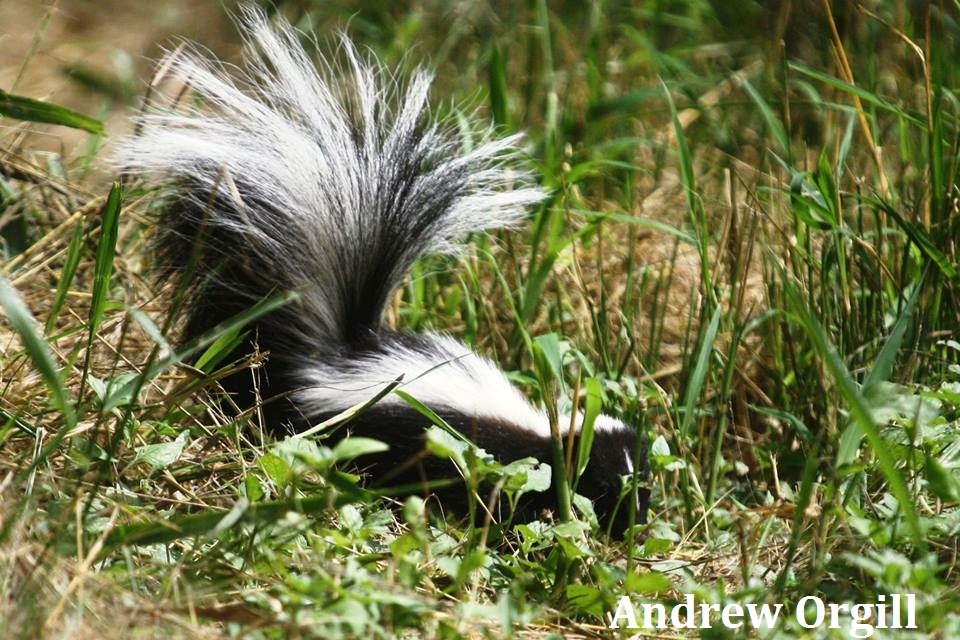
93	57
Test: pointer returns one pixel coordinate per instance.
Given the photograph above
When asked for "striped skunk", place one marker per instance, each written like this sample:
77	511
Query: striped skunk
331	182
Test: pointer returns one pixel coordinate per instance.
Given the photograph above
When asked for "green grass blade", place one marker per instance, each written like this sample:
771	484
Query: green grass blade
106	249
592	407
23	322
769	117
221	348
924	242
497	71
687	178
103	270
240	320
883	365
348	414
69	270
859	411
879	372
37	349
213	522
430	415
861	93
656	225
21	108
698	376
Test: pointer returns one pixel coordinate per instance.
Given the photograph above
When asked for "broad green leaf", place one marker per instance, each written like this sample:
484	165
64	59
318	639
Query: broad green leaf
350	448
163	454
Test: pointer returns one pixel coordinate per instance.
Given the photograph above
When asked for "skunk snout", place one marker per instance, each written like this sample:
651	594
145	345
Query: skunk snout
618	457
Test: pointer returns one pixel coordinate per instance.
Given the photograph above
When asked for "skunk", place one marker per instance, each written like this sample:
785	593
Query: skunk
330	181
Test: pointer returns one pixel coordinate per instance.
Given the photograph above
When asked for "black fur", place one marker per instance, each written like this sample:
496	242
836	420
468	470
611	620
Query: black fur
332	187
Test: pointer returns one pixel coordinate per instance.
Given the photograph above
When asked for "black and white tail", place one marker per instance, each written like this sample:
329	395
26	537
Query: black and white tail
331	180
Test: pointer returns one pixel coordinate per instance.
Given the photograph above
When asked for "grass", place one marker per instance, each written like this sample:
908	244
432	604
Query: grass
750	253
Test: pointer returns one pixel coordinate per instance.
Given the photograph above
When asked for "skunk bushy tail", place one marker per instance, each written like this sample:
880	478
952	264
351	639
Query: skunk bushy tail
331	181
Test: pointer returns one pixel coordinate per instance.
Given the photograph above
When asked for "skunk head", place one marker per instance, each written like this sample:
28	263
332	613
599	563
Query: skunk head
606	479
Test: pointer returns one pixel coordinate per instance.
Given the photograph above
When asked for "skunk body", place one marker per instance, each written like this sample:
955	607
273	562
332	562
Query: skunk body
331	183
